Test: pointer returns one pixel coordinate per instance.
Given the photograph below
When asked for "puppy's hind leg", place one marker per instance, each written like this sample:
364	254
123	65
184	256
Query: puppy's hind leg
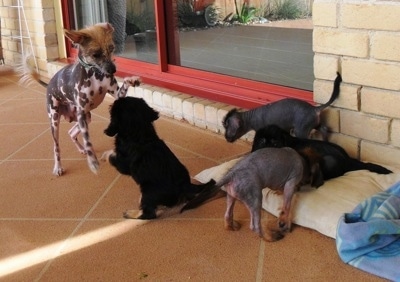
230	224
284	220
73	133
253	202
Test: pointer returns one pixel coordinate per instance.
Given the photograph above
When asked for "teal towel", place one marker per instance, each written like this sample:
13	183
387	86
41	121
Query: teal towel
369	237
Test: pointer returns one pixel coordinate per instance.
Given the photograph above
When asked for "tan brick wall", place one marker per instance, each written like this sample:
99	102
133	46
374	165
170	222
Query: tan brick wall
360	38
40	20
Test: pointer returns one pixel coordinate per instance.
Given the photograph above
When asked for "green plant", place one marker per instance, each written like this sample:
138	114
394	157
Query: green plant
184	11
246	13
286	9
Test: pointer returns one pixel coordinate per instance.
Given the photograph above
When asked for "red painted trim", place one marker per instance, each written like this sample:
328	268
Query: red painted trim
68	21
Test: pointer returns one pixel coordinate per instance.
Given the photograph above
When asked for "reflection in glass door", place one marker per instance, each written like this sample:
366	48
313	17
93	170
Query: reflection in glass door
260	51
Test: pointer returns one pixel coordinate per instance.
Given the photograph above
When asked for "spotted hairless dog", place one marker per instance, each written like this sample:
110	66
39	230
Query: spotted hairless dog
81	87
293	115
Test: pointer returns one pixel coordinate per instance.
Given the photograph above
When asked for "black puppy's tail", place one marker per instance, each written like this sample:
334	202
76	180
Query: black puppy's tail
335	92
197	188
206	195
358	165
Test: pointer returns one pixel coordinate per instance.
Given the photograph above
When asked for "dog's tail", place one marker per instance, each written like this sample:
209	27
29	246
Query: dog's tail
335	93
358	165
28	71
209	193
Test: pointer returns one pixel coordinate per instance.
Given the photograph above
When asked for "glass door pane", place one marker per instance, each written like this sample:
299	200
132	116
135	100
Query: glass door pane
257	49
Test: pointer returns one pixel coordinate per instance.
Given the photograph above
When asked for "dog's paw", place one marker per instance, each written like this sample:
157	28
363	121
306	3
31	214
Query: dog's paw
93	165
132	214
58	170
135	214
284	226
233	226
106	155
273	236
133	80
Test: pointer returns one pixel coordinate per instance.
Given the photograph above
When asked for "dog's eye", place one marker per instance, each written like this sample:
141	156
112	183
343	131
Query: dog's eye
111	48
98	54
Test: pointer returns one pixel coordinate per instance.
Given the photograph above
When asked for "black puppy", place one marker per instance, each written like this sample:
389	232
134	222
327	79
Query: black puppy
140	153
334	161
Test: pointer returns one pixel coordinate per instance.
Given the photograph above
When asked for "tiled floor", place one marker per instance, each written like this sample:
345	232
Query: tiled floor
70	228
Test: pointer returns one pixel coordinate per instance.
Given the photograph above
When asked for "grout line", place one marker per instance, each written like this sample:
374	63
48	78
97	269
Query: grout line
192	152
261	253
205	157
24	146
24	123
48	159
81	222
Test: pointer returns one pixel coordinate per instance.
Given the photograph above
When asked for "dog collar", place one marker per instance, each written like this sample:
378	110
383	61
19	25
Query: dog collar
88	66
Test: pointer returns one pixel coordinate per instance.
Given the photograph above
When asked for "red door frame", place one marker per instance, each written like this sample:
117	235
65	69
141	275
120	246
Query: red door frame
236	91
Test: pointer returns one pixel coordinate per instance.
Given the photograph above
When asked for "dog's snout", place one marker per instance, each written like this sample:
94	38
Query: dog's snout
110	67
230	139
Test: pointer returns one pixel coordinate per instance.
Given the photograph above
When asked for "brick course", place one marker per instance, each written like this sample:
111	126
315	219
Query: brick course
364	44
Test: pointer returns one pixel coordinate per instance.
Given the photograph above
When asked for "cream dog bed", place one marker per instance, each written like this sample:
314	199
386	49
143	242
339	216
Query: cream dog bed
320	209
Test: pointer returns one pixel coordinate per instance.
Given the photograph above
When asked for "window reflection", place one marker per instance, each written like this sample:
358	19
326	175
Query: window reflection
141	37
243	43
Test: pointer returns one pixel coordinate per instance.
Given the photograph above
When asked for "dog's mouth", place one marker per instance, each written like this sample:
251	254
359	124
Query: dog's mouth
230	139
109	68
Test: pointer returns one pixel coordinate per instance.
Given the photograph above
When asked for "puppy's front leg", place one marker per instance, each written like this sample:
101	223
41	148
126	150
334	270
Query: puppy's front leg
91	156
128	81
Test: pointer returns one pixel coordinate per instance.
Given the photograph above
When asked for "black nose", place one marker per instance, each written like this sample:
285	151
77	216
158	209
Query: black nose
110	68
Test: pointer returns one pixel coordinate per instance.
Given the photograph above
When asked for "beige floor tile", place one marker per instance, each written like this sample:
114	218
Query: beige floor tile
28	245
163	250
29	190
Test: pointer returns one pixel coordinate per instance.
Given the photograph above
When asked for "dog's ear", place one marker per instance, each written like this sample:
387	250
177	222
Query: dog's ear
313	159
107	26
317	178
76	37
112	128
225	121
118	117
148	113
